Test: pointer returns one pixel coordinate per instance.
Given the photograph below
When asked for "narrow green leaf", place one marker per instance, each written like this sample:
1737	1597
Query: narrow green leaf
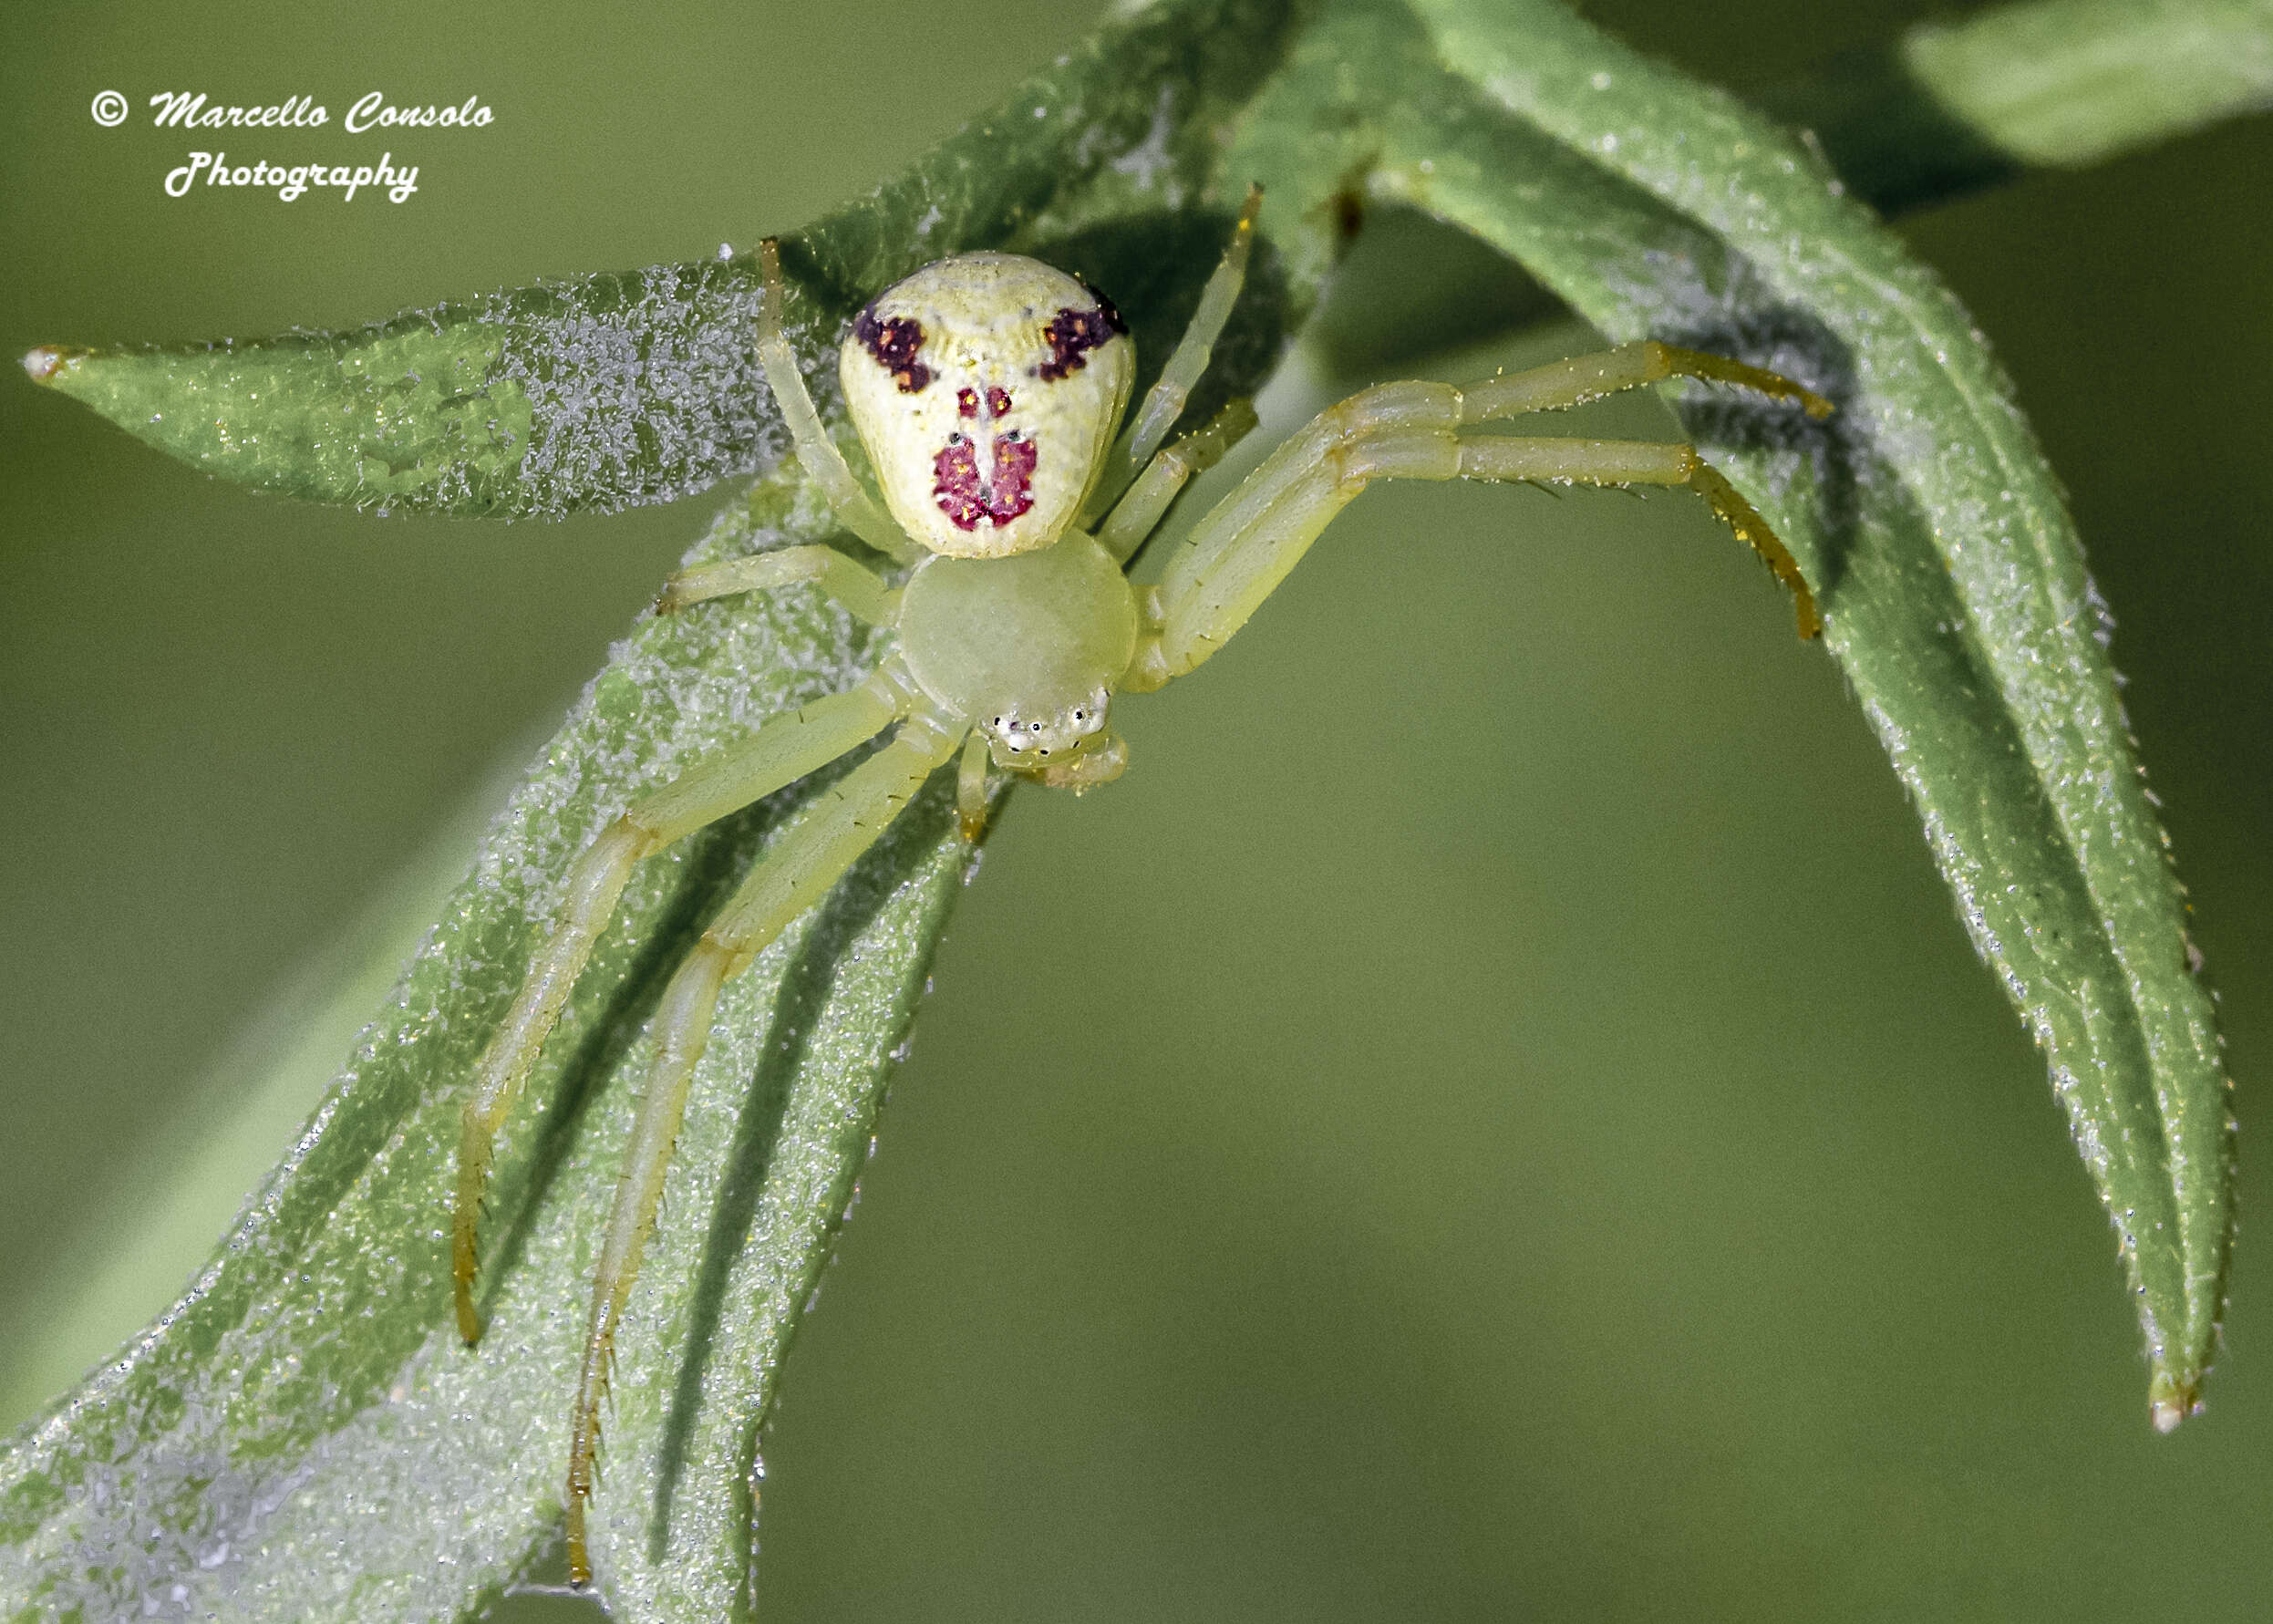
614	390
1957	600
302	1437
1950	107
2070	82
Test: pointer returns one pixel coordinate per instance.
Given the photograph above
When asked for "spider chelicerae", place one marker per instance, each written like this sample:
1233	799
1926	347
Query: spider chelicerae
986	390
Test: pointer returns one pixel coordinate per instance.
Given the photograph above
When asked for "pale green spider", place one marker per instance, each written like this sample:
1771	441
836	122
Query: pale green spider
986	390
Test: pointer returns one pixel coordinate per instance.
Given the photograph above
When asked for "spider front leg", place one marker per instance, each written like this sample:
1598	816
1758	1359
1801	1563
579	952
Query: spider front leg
1165	476
815	449
782	751
851	584
1239	552
824	842
1165	402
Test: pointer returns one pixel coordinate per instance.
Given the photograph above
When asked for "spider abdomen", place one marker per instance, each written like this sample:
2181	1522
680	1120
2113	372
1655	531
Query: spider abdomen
987	389
1029	647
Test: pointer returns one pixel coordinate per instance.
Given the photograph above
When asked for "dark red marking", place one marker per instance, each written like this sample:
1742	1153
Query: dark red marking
965	498
998	403
966	402
1072	334
894	344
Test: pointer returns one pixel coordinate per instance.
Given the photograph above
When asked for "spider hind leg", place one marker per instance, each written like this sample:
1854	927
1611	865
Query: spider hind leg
785	750
826	839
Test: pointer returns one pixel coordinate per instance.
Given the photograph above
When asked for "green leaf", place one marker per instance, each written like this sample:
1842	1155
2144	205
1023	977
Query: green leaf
2070	82
1952	106
609	391
307	1397
1924	512
303	1438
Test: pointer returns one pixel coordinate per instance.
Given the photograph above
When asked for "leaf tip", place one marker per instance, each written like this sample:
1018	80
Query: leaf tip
2170	1402
44	363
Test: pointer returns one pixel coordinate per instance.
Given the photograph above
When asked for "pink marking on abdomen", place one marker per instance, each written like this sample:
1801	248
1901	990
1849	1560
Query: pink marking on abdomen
966	496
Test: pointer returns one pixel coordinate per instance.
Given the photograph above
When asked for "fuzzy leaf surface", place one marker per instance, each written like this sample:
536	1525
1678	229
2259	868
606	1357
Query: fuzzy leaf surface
1923	513
302	1436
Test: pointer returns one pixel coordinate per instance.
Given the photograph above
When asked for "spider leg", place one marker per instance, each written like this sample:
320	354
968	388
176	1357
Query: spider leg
1244	547
970	788
1135	515
1562	383
825	841
851	584
1626	462
785	750
815	449
1165	402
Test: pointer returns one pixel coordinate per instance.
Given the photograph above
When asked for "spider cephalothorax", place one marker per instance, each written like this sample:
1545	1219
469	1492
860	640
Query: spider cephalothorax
986	389
1030	648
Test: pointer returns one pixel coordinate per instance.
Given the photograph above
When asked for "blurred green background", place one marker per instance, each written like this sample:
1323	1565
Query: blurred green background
1494	1117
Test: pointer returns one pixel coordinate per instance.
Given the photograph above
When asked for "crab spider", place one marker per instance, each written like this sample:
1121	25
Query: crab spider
986	390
